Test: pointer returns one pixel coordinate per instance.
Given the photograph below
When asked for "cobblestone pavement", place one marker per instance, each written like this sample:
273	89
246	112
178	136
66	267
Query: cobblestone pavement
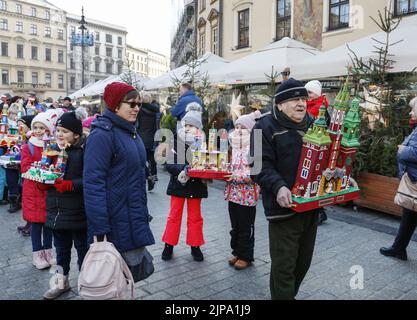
349	238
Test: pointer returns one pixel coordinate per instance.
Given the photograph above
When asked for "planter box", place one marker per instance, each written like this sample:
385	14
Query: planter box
378	193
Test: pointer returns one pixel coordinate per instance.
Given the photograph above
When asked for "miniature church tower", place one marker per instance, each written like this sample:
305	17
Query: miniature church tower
314	158
332	176
350	142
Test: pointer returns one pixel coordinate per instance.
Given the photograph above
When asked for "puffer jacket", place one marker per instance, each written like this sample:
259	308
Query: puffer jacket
407	158
179	110
194	188
33	199
115	184
241	189
65	211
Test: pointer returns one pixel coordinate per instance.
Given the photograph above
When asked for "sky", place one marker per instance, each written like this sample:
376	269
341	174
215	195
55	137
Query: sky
148	22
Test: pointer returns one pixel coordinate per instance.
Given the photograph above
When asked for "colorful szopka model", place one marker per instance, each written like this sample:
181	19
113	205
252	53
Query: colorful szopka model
327	157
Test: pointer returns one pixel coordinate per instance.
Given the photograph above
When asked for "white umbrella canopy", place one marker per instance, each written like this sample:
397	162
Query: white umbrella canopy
97	89
254	68
204	65
333	63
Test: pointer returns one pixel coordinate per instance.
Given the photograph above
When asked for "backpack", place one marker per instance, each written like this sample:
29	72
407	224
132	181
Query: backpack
104	274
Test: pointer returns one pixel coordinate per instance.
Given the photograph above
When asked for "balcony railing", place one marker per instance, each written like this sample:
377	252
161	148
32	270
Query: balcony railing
20	86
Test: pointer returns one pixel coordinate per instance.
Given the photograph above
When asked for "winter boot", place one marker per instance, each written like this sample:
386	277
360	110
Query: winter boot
197	254
21	228
151	183
59	286
49	257
27	231
15	205
39	260
395	253
167	253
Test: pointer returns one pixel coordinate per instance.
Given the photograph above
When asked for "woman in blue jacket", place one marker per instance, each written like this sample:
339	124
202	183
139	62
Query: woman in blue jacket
407	161
114	177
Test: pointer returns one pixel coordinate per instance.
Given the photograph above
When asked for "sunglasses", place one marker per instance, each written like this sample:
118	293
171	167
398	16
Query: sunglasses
133	104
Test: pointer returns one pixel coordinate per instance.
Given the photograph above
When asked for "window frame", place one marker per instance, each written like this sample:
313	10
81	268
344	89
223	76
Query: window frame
3	5
20	72
61	58
19	45
34	73
48	32
410	10
48	84
19	8
33	30
287	19
61	81
241	45
48	51
32	51
2	53
60	34
19	27
33	12
4	24
7	73
340	25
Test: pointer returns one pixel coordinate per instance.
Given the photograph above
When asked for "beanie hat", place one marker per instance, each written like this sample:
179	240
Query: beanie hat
249	120
45	120
289	90
114	94
55	114
27	120
87	122
192	118
72	121
315	87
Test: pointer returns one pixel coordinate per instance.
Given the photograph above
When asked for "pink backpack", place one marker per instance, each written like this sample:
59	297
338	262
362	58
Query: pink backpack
105	275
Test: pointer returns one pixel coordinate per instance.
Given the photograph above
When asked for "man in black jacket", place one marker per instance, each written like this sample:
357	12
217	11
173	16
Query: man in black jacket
292	236
147	127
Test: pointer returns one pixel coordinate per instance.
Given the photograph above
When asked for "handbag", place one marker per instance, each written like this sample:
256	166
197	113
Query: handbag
406	196
144	269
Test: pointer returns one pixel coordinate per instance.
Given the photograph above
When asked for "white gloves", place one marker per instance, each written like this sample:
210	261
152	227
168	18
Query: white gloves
183	177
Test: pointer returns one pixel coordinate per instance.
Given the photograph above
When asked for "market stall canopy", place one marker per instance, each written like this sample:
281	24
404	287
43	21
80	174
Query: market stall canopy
254	68
97	89
333	63
204	65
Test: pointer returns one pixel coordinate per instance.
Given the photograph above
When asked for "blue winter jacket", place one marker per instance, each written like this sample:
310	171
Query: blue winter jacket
178	111
407	158
115	184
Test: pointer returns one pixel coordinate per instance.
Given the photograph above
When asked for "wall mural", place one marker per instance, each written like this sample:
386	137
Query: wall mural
309	25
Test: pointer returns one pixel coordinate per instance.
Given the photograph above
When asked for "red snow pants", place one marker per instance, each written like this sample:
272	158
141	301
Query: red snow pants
172	232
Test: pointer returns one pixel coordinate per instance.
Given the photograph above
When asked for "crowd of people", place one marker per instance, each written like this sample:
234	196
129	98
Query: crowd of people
103	194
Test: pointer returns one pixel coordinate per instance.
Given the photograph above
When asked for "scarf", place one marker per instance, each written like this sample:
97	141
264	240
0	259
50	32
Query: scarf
36	142
286	122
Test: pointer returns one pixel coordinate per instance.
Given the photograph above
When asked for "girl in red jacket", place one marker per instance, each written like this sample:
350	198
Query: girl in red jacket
316	98
33	198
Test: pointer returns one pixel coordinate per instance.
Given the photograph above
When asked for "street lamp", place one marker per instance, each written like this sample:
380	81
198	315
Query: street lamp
83	40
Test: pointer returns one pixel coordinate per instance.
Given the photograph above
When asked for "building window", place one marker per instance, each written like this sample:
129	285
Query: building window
19	51
19	8
339	14
34	53
72	83
404	7
97	50
48	54
119	68
35	78
202	47
3	5
97	36
48	80
20	76
283	19
47	15
33	10
4	25
97	67
61	81
4	49
109	52
60	34
19	26
109	68
33	29
5	77
214	40
72	64
120	41
72	30
60	56
47	32
243	30
119	53
109	38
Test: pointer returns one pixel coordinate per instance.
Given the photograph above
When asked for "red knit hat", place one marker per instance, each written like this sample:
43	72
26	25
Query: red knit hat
114	94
